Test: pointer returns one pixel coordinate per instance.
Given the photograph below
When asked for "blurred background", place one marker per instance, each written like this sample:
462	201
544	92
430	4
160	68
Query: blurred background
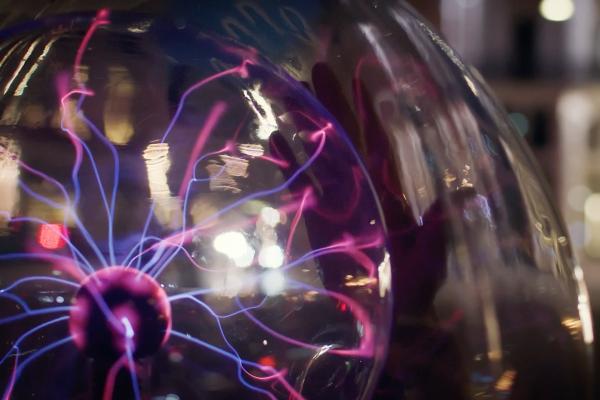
542	58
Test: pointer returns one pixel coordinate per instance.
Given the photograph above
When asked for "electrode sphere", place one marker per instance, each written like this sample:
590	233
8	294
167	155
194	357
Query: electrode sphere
300	199
119	310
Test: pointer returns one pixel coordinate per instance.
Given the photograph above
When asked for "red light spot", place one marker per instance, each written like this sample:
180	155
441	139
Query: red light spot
49	236
342	306
267	361
102	16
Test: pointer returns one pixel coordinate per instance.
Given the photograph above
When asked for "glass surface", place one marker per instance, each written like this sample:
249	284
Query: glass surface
216	200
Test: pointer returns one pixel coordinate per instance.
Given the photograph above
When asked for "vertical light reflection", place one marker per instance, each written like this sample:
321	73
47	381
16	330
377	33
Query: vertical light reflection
266	225
167	209
233	280
266	120
9	179
10	51
385	276
591	210
34	67
70	114
414	171
584	307
118	106
25	58
373	39
492	327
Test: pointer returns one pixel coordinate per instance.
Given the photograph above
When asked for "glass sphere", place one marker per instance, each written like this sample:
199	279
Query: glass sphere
241	198
180	221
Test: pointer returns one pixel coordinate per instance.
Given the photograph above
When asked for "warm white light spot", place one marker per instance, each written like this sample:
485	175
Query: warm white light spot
270	216
251	149
167	209
10	154
557	10
230	243
471	85
246	258
385	275
234	245
120	91
142	27
129	333
234	283
592	208
583	307
265	117
271	256
273	282
506	381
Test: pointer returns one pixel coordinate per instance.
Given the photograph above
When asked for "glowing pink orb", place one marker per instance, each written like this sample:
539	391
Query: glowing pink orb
117	308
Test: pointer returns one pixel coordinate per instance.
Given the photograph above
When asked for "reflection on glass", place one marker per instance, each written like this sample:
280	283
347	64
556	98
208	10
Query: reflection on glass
118	107
166	207
9	180
224	200
194	243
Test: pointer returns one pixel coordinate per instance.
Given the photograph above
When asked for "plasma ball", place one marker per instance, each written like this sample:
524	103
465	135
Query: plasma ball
117	310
